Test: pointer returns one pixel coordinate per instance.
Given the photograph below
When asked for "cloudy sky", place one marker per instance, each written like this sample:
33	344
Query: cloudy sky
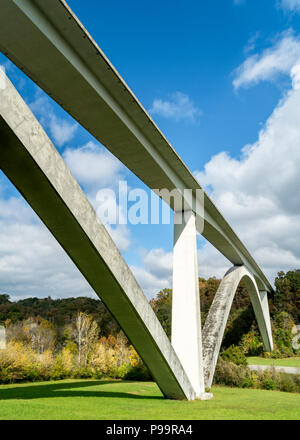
222	81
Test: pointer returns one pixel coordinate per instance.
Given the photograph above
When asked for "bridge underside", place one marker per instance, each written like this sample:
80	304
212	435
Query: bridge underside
33	165
48	42
51	46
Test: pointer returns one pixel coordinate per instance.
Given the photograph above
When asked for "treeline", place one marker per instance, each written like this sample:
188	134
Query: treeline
241	329
33	352
59	312
79	338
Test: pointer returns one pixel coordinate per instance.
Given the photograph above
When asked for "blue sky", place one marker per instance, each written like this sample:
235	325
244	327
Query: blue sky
221	79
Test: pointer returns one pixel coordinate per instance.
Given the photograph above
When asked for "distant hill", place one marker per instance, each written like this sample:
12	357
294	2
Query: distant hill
58	311
284	305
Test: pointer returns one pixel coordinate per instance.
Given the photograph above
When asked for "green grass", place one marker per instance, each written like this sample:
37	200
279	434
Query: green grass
109	400
288	362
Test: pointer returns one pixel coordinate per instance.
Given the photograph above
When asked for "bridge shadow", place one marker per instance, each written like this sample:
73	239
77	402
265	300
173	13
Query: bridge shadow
66	389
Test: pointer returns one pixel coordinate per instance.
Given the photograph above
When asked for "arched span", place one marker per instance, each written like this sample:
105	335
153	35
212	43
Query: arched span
218	315
37	35
34	166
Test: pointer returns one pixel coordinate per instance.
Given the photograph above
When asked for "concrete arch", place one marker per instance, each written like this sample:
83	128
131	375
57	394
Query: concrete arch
34	166
88	87
216	320
84	79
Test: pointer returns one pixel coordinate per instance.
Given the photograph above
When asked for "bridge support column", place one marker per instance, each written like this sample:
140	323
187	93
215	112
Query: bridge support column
186	319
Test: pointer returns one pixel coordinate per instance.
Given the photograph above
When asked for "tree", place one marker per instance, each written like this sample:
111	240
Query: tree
4	299
86	333
36	332
162	306
42	336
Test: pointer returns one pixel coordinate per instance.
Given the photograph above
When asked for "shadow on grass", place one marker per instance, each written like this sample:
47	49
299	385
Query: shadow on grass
67	389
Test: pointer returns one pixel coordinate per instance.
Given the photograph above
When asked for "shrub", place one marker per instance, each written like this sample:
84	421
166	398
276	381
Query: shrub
249	381
123	371
282	331
287	383
235	355
268	382
83	373
228	373
138	373
240	376
251	344
58	371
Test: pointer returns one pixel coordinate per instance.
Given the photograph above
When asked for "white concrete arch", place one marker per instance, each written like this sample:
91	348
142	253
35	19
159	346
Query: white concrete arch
37	35
34	166
216	320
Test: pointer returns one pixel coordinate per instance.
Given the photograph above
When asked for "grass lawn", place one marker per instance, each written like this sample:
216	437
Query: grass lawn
288	362
109	400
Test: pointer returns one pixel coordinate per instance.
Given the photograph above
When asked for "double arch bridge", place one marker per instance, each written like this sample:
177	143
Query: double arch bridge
49	44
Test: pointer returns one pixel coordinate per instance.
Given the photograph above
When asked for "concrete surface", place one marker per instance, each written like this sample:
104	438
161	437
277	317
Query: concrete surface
217	317
33	165
288	370
38	35
186	319
2	338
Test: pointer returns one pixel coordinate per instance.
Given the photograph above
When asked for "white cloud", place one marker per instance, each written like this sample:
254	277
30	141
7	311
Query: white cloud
93	166
292	5
96	168
276	60
159	262
61	130
259	193
178	107
251	44
31	262
155	273
211	262
120	235
149	283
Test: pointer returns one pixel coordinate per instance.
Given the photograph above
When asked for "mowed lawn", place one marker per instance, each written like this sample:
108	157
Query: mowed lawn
117	400
287	362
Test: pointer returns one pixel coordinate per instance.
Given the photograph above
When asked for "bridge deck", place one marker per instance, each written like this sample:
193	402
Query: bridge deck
47	41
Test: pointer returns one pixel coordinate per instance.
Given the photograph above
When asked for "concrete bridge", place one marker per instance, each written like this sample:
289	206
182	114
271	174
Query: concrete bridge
47	41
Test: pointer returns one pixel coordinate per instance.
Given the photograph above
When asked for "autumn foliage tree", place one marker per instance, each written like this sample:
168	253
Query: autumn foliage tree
86	333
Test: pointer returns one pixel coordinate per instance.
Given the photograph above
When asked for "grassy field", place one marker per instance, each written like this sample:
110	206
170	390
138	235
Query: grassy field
288	362
91	399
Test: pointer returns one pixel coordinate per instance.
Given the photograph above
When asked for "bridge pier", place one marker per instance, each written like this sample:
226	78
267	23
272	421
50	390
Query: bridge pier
186	318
